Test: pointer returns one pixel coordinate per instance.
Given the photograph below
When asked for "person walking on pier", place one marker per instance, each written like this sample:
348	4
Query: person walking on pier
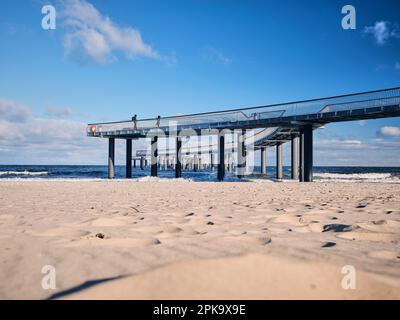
134	122
158	121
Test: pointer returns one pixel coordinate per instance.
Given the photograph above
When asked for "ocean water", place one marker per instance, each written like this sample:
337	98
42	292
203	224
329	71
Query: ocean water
344	174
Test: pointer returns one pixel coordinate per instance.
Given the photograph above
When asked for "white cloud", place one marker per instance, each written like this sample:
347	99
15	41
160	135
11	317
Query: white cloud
389	131
354	152
212	53
90	35
338	143
13	112
59	112
397	65
28	139
382	31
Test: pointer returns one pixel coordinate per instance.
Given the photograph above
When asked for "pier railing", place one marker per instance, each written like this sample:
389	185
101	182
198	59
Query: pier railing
210	120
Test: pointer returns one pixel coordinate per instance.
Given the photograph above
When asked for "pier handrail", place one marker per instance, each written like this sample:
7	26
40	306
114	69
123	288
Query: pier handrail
297	108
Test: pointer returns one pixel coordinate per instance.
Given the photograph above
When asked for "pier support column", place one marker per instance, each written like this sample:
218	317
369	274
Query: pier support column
301	156
308	153
279	172
199	161
134	163
295	157
141	163
221	156
128	166
241	154
111	157
154	154
264	161
195	163
178	163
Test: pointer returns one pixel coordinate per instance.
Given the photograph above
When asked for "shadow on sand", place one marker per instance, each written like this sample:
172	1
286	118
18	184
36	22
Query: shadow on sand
82	286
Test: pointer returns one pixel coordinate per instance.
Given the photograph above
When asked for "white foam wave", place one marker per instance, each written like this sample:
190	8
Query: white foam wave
158	179
23	173
356	177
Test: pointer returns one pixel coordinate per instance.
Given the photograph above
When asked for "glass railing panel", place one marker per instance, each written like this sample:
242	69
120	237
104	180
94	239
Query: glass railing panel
357	101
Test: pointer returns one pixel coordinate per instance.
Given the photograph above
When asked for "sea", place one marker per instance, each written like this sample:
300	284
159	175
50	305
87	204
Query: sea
323	174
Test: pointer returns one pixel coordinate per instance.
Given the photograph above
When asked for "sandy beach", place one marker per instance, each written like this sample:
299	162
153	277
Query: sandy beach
177	239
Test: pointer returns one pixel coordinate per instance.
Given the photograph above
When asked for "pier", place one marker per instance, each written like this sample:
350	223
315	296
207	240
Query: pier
273	125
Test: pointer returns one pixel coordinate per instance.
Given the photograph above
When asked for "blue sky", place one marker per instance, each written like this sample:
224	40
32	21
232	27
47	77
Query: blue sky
107	60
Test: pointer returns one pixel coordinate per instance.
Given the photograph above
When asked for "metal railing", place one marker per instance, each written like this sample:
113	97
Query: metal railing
369	99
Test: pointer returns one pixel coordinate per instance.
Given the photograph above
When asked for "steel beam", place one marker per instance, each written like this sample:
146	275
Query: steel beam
128	166
264	161
279	172
295	157
178	164
308	153
221	156
241	154
154	154
111	158
301	156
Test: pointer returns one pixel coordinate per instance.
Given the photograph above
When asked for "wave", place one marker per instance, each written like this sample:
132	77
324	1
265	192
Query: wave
357	177
23	173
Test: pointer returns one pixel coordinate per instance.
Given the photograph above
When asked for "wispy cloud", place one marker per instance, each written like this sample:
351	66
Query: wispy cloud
13	112
59	112
389	131
214	54
93	36
382	31
355	152
397	65
335	148
29	139
338	143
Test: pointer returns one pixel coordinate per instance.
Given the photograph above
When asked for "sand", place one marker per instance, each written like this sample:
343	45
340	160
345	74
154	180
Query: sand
179	239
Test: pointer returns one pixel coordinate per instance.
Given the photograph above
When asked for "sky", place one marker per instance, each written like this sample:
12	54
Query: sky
107	60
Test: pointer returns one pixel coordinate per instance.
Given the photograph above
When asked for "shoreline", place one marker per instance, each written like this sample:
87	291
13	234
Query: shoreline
168	179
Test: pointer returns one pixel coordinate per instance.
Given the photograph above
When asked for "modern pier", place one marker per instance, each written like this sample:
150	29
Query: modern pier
272	126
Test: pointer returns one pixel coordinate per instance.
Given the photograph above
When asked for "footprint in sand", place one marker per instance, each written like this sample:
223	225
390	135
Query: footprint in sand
63	233
113	242
384	254
248	239
391	226
157	229
328	244
288	219
370	236
111	222
337	227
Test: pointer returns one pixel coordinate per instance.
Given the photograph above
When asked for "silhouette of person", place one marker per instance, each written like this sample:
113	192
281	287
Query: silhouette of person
134	121
158	121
